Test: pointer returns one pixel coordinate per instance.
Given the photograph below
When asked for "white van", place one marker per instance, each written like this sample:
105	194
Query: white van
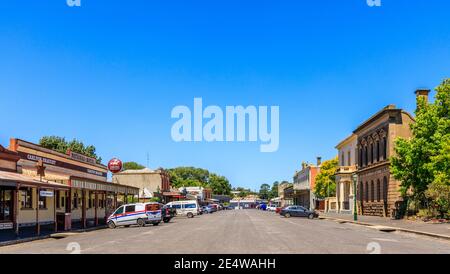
154	213
185	208
126	215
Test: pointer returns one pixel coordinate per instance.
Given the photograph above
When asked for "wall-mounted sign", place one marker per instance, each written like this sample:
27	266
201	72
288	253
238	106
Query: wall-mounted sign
52	162
6	226
44	193
81	157
115	165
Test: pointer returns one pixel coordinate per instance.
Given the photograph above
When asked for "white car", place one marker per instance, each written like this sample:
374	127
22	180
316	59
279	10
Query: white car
185	208
271	208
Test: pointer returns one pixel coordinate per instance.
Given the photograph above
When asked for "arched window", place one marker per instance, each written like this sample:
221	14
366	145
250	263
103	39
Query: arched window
372	192
360	162
378	151
371	154
385	148
361	191
378	190
365	156
349	158
342	159
385	189
367	192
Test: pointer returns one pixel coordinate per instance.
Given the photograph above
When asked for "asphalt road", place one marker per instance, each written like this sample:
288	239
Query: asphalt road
238	232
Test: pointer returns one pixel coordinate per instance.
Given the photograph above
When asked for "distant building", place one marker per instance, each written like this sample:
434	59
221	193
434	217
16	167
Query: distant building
281	194
304	183
347	151
151	183
201	194
222	198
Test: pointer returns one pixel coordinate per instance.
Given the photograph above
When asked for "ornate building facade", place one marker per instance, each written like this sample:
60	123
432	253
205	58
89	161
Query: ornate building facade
378	192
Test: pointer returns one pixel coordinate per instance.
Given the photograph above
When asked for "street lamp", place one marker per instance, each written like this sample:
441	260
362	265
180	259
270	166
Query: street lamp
355	212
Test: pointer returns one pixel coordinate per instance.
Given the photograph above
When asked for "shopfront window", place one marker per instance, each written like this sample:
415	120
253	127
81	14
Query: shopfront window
42	202
26	198
6	205
75	200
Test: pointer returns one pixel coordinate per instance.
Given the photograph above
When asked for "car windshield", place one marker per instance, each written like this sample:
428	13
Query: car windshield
119	211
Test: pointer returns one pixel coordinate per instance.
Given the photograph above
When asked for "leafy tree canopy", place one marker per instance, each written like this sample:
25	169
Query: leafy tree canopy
191	176
60	144
132	166
425	159
325	180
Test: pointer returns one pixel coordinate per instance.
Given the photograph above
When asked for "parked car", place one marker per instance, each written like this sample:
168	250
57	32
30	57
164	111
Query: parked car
185	208
278	210
298	211
207	209
168	213
263	207
126	215
214	207
271	208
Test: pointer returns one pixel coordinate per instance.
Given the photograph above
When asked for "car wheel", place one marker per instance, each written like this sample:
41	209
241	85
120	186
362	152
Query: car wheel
140	222
155	224
190	215
287	215
166	220
311	216
111	225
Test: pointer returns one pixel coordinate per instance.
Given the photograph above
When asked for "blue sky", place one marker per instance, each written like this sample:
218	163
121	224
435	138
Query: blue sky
110	72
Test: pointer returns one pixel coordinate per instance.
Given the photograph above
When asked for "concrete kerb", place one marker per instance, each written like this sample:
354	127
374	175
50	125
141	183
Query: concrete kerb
59	235
387	228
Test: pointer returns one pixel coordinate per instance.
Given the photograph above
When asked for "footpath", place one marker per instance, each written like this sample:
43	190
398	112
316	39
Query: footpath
436	230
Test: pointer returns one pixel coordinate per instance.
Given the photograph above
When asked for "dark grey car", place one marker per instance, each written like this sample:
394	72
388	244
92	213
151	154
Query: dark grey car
298	211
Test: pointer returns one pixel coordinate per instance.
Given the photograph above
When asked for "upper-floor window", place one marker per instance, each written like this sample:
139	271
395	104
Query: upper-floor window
349	158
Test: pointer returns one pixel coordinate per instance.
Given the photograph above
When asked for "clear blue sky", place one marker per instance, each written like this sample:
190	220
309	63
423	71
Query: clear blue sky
110	72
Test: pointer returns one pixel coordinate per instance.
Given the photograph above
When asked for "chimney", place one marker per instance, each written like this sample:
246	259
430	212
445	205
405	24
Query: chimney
422	93
319	161
303	165
13	144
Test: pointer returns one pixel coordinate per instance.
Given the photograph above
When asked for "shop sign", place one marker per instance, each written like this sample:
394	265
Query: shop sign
81	157
115	165
6	226
53	162
44	193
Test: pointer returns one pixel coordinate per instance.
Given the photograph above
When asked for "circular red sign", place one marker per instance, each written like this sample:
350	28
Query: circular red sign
115	165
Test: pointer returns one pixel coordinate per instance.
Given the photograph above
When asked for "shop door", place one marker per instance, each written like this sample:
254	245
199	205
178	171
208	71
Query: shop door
6	205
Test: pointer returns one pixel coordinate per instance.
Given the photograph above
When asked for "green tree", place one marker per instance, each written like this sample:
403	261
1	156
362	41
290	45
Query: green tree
439	194
219	185
274	190
424	159
60	144
132	166
264	192
191	176
325	180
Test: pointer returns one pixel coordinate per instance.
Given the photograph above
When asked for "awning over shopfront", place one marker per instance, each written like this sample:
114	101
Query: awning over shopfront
176	195
12	179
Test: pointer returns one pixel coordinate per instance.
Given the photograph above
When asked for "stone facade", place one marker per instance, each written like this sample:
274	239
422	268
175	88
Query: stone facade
378	191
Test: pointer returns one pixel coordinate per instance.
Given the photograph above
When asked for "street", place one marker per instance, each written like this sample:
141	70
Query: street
238	232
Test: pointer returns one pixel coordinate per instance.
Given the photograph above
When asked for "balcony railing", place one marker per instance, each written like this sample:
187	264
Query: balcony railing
346	169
